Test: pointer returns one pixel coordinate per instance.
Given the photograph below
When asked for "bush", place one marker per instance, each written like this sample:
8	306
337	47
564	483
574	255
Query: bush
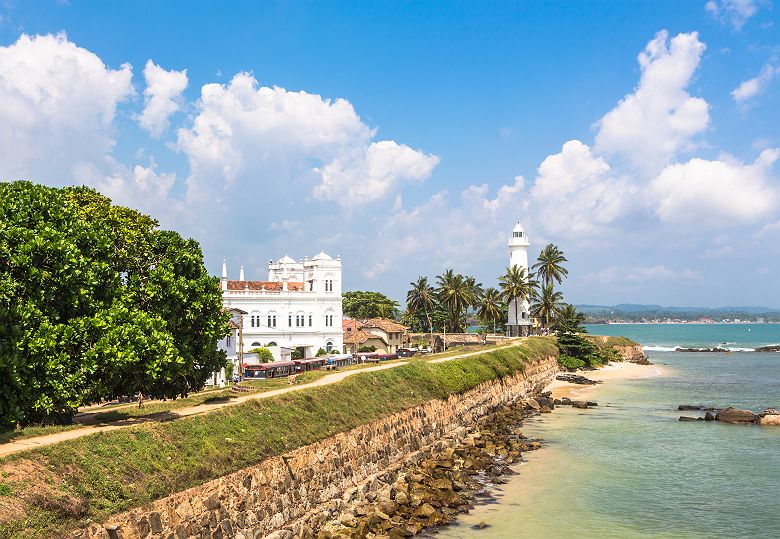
321	352
367	349
571	363
297	355
263	353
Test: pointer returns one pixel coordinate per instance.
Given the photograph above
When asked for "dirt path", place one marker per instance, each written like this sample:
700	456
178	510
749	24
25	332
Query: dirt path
49	439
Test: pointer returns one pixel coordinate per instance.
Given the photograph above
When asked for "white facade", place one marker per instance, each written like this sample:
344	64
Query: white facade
298	307
519	319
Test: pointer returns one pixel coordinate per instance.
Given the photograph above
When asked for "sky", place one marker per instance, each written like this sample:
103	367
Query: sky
642	138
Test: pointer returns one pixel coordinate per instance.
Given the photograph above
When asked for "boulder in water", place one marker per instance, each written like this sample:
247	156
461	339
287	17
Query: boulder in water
732	415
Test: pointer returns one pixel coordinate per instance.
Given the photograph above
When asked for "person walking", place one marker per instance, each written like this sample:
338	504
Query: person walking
140	397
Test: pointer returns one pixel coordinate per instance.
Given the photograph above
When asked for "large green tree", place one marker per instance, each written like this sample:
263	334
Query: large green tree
421	299
97	302
362	304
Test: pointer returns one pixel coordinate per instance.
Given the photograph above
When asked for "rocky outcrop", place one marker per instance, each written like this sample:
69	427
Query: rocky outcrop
576	379
771	348
312	485
633	354
714	349
732	415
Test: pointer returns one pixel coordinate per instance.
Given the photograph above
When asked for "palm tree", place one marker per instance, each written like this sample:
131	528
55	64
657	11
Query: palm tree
491	306
570	319
516	284
475	294
422	297
547	303
549	265
453	294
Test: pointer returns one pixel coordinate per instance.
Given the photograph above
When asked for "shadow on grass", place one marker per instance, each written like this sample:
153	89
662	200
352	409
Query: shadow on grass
217	400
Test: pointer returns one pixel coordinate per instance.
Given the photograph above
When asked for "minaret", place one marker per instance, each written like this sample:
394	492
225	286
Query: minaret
223	281
241	274
518	256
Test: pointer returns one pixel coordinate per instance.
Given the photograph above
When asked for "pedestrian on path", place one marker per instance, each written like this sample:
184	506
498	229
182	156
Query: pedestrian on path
140	397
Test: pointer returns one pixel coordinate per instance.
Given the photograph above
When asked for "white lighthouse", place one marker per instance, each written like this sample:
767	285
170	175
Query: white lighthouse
519	320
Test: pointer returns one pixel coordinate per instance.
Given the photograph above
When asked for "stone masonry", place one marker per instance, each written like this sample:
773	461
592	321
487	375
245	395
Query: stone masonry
304	488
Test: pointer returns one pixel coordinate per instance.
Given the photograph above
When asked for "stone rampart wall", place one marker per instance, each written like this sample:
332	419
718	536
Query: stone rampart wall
305	488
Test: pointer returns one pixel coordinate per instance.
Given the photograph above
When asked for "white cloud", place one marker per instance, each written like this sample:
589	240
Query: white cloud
719	193
718	252
269	138
161	97
660	118
575	193
448	231
57	107
733	12
637	275
757	85
367	175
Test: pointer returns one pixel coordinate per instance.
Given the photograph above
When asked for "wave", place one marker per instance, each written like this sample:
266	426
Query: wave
660	348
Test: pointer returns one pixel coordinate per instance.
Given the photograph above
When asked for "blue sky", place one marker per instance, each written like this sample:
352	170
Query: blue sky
408	137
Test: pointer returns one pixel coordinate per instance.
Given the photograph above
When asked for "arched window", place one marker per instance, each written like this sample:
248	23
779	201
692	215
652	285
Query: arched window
272	319
328	346
272	343
255	344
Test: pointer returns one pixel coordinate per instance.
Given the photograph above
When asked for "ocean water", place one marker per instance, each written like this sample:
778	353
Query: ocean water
629	468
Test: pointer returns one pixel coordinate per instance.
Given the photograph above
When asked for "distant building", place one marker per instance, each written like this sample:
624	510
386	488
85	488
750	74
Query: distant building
519	321
385	335
298	307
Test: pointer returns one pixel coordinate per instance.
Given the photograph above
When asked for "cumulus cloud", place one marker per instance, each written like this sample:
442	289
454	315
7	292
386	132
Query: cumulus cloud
161	97
576	193
718	193
751	88
270	137
660	118
57	108
733	12
367	175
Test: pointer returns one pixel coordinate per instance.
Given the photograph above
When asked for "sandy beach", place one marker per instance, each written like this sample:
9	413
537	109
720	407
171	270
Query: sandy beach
613	371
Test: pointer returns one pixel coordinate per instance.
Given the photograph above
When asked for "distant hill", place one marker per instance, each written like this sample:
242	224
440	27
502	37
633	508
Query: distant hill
635	311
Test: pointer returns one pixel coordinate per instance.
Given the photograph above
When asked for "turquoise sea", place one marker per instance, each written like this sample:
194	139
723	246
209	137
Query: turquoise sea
629	468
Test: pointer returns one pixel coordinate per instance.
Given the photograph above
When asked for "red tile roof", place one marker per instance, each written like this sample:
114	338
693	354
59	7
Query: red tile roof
390	326
264	285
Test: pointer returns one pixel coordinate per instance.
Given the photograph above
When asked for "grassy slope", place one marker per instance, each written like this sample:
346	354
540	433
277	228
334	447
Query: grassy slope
609	342
99	475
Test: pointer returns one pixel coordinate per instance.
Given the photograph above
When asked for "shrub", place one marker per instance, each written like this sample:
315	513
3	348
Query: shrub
263	353
321	352
367	349
571	363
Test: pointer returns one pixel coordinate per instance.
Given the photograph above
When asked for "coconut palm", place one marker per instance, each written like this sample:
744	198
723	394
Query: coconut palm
454	295
475	294
491	306
570	319
421	297
516	284
546	305
549	265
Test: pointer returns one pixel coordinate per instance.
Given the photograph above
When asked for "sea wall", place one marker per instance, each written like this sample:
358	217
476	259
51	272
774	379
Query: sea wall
300	491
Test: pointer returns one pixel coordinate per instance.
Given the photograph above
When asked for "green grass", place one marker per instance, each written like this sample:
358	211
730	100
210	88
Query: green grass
110	472
609	342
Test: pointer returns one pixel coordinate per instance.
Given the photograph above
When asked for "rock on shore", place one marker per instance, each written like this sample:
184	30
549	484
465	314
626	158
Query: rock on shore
433	491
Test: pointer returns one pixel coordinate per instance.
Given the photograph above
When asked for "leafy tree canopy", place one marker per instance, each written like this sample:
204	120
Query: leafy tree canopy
97	302
362	304
263	353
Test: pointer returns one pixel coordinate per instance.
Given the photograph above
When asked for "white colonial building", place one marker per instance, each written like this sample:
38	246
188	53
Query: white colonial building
298	307
519	322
